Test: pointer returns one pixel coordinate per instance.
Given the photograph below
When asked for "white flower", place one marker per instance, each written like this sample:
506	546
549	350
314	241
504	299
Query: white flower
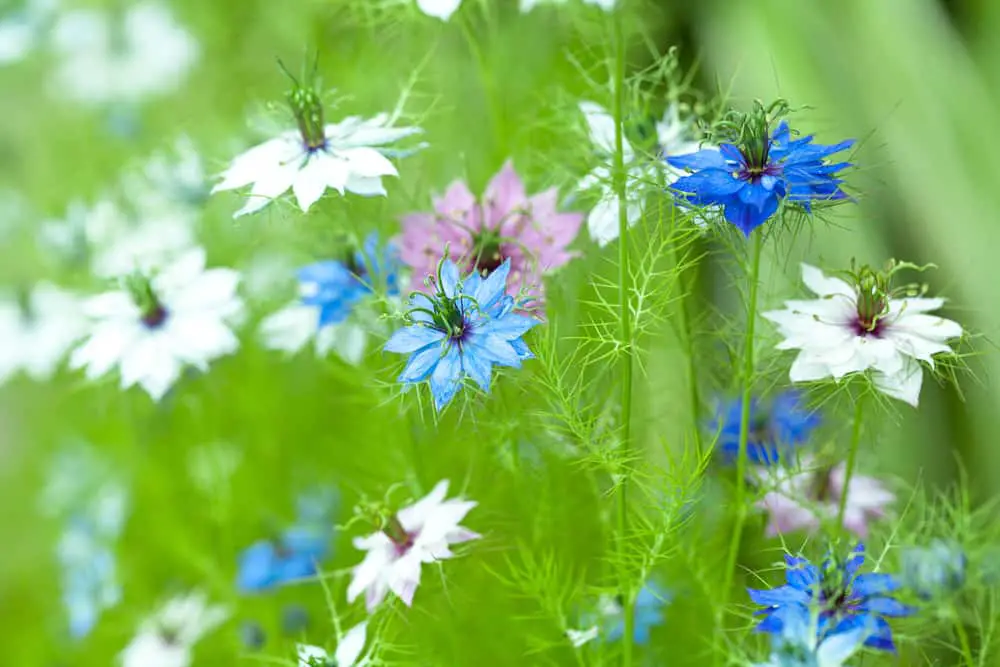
441	9
37	334
421	533
347	160
166	639
169	180
185	324
607	5
602	222
580	637
293	327
146	53
834	342
348	651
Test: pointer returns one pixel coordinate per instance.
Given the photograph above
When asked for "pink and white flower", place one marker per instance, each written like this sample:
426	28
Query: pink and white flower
506	223
419	533
804	499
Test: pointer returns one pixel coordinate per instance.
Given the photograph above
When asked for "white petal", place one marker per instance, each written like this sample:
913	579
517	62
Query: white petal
289	329
602	222
368	162
310	182
349	648
309	654
442	9
904	385
269	185
260	159
365	187
824	286
351	341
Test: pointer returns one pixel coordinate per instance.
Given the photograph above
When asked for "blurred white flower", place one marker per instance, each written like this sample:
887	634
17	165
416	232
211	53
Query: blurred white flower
349	648
348	157
20	30
38	331
417	534
580	637
293	327
672	139
158	325
107	58
528	5
166	638
844	332
169	179
440	9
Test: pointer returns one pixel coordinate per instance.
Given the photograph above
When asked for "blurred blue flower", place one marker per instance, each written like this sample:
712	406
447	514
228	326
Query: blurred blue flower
775	428
607	619
797	644
750	180
295	554
90	583
463	330
935	570
334	287
847	600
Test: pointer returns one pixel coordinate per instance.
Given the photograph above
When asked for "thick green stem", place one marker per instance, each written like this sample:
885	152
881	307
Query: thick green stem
625	317
746	378
852	457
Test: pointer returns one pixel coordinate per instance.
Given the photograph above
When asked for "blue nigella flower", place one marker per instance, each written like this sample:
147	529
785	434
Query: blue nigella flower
90	582
937	569
463	330
845	598
335	287
751	179
775	428
797	644
295	553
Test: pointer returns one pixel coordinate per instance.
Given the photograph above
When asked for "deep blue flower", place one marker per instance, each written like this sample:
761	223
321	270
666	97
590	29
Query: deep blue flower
845	598
463	330
295	553
775	428
334	287
751	180
935	570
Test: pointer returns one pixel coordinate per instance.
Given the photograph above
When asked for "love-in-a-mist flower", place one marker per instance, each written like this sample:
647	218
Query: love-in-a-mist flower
846	598
803	499
864	325
37	329
347	653
776	427
506	225
167	638
798	644
935	570
673	137
463	330
106	57
607	620
295	554
158	324
419	533
347	156
328	311
751	176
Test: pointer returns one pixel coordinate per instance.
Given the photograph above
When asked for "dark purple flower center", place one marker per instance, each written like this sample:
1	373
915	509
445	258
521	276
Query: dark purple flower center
155	316
402	540
754	173
487	252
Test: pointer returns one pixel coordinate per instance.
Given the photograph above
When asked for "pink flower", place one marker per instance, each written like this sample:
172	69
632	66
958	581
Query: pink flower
804	499
506	224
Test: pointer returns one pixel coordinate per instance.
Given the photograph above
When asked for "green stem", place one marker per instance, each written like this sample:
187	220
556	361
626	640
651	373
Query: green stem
625	316
852	457
687	345
963	638
753	278
486	77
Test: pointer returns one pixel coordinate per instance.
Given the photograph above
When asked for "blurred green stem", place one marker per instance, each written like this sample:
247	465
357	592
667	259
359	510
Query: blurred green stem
625	317
963	638
485	76
746	377
852	456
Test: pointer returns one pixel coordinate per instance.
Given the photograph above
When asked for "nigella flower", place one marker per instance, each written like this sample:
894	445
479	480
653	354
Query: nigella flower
935	570
461	331
774	430
750	178
507	225
798	644
295	554
107	58
347	654
344	156
419	533
607	621
37	329
673	137
804	499
167	638
846	599
155	326
327	311
852	328
169	179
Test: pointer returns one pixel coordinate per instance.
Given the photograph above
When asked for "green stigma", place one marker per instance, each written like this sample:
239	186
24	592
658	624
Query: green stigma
308	110
151	309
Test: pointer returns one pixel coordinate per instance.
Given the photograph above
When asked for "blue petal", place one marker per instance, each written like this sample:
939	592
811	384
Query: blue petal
855	562
297	566
710	186
412	338
449	278
885	606
477	366
421	364
493	287
874	583
257	567
509	327
325	273
707	158
446	377
493	349
311	541
778	596
521	348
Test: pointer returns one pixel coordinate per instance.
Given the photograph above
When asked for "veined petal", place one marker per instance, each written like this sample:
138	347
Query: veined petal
446	378
412	338
709	158
421	364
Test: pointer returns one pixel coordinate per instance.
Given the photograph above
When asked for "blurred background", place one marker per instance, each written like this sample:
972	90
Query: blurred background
915	81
